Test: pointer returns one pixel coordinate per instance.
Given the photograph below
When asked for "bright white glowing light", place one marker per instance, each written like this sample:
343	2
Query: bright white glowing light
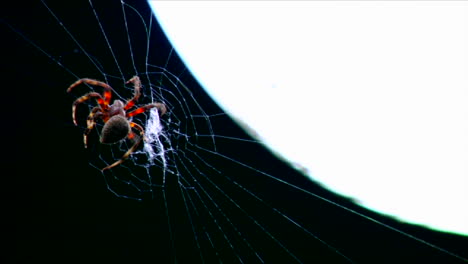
370	97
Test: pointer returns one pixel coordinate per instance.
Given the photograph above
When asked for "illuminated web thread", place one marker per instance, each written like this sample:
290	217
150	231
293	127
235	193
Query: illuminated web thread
174	142
152	145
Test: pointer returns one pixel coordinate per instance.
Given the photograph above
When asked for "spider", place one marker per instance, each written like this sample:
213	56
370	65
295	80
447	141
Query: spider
117	125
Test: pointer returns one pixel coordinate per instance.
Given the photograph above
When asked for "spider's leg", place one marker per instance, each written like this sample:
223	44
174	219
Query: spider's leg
83	98
107	89
161	109
131	150
137	84
91	122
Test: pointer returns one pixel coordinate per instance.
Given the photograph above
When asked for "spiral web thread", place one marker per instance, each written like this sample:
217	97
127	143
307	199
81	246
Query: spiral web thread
184	146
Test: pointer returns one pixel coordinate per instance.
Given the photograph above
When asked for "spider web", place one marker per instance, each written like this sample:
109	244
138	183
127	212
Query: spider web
216	190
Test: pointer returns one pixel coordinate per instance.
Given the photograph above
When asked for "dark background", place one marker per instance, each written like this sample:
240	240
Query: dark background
63	211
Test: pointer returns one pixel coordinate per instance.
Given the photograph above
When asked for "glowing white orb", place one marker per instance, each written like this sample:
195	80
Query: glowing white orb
370	98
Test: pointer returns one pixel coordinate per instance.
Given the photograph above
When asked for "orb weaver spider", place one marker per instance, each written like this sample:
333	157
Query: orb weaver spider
117	125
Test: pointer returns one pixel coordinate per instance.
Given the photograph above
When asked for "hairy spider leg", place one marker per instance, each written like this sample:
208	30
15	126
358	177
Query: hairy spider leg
83	98
137	84
161	109
91	122
107	89
131	150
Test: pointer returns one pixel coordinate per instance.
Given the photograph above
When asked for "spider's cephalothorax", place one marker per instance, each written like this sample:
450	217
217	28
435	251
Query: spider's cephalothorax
116	123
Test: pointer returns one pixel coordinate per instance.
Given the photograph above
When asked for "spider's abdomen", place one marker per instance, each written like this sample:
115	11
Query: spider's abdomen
115	129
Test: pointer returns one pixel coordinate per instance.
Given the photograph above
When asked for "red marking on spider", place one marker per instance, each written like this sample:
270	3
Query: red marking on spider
116	124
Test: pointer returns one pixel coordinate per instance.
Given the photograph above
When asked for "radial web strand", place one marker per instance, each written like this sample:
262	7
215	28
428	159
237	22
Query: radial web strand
205	190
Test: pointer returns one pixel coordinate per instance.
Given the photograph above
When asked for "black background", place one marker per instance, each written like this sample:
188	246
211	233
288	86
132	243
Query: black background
64	213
